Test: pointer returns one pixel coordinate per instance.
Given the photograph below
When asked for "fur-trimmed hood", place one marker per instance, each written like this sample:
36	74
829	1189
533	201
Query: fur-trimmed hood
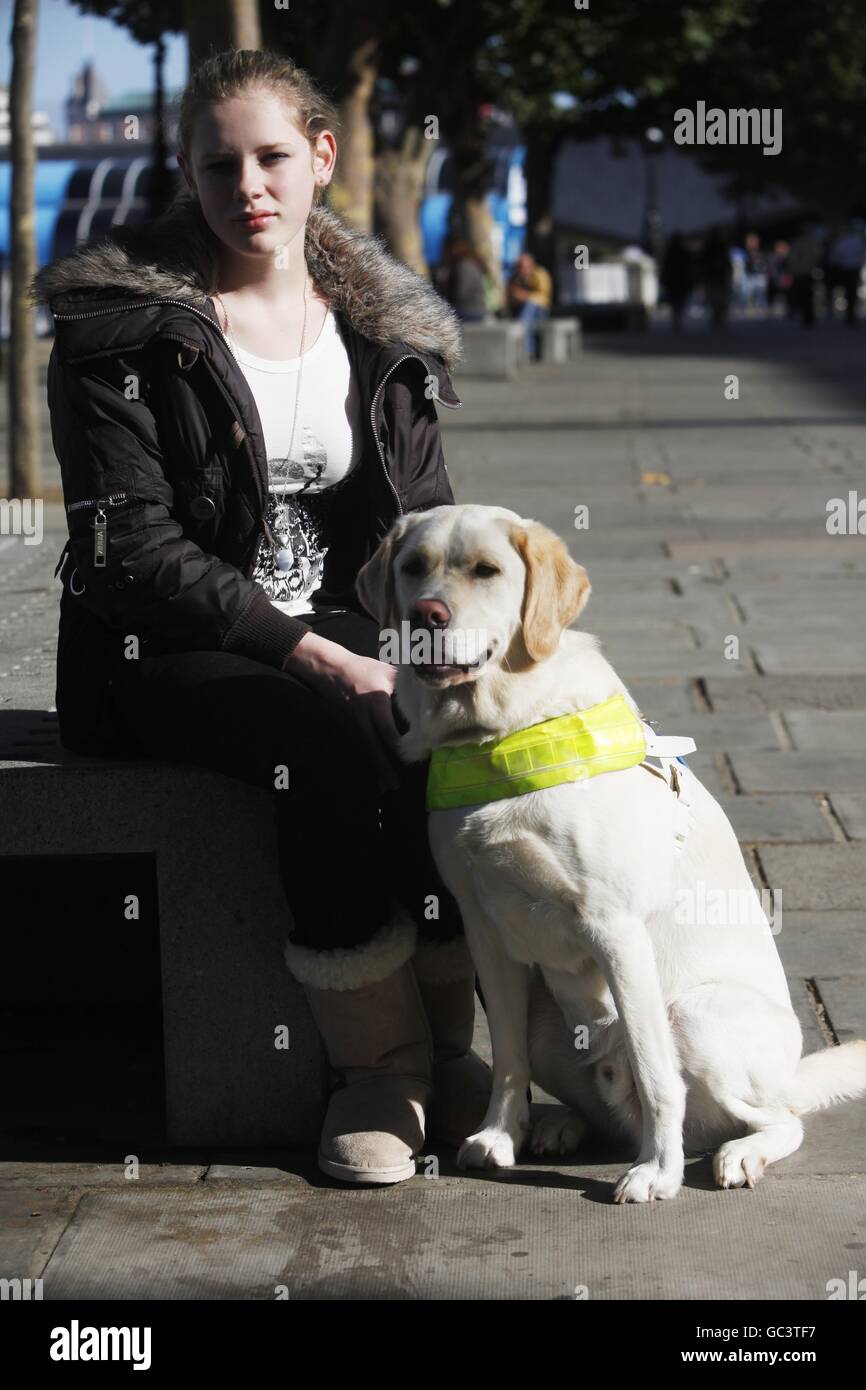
174	258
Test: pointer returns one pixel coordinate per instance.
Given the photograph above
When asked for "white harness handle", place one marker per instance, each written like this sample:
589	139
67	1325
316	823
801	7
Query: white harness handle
667	748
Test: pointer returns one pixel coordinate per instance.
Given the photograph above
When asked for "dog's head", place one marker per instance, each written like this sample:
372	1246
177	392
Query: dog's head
470	586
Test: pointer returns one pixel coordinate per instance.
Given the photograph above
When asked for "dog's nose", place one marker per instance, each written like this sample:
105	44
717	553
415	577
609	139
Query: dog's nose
430	612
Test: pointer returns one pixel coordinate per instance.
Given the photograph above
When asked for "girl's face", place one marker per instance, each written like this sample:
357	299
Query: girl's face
247	155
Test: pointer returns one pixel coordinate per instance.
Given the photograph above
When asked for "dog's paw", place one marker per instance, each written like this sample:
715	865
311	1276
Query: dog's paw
560	1133
489	1148
739	1163
647	1182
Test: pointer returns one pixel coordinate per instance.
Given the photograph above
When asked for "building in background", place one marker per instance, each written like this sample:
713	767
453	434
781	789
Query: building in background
607	194
43	131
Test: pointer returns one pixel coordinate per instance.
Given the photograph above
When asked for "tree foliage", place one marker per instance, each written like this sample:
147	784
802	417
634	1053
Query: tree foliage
623	65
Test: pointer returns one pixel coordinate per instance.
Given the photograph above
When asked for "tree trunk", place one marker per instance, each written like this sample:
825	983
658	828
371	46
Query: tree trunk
213	25
350	192
400	178
470	216
161	186
542	145
24	432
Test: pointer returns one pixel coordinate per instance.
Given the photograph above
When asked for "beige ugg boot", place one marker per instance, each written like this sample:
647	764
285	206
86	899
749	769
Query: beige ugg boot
462	1082
368	1010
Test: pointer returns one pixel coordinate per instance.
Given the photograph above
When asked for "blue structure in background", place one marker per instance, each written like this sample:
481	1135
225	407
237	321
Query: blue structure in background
53	178
506	201
78	200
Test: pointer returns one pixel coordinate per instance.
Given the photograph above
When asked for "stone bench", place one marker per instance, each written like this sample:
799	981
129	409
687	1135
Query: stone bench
222	919
560	339
495	348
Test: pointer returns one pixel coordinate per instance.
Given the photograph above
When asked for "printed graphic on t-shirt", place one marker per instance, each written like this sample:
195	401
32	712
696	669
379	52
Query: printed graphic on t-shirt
283	472
298	532
294	570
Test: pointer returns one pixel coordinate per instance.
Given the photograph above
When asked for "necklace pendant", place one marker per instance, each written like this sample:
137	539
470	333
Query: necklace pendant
283	559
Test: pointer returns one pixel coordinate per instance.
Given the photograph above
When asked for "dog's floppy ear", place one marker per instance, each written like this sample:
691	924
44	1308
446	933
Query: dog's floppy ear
375	582
557	588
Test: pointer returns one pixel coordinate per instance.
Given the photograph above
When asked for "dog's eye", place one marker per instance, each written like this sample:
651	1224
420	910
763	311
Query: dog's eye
485	571
414	565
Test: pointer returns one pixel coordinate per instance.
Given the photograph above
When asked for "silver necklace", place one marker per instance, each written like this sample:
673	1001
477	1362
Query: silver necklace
283	556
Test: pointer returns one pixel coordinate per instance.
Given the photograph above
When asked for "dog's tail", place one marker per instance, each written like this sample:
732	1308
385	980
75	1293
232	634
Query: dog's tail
829	1077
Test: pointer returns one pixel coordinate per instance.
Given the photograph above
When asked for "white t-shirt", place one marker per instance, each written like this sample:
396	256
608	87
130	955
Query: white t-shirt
327	447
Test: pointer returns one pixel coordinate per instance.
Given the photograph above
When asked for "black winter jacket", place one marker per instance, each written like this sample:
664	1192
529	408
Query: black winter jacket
159	441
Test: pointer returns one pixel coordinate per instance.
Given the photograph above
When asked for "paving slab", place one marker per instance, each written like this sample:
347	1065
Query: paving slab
715	732
777	819
834	1142
31	1223
637	660
762	605
825	878
730	694
35	1175
825	943
851	811
769	569
535	1232
778	658
844	997
842	731
799	772
833	550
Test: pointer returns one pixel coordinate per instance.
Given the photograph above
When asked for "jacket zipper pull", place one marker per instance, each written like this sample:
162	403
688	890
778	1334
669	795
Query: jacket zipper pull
100	540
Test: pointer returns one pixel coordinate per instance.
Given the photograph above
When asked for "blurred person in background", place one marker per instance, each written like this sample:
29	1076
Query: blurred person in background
804	264
677	275
464	281
529	296
778	274
847	254
716	275
754	276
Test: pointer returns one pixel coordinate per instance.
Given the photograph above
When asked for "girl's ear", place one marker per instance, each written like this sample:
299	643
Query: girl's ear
323	158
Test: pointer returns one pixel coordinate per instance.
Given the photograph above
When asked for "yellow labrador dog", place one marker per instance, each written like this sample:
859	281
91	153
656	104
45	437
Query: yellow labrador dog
600	981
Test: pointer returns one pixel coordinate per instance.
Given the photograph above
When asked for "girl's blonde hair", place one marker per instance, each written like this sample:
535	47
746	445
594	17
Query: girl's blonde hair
235	71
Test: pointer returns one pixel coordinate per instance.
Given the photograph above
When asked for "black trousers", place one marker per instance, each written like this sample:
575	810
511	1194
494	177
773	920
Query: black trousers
348	853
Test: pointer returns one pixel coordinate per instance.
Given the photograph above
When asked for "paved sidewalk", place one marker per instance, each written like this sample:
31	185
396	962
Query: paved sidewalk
733	616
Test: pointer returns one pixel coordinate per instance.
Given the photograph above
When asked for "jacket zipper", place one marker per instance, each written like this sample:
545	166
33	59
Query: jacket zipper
379	389
98	501
100	525
184	304
139	304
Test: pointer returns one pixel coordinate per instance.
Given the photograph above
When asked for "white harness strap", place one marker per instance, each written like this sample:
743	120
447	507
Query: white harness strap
667	749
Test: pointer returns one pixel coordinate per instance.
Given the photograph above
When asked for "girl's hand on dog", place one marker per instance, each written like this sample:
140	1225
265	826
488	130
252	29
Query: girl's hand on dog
363	686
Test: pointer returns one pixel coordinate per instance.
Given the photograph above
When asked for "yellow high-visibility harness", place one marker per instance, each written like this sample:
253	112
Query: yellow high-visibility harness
607	737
